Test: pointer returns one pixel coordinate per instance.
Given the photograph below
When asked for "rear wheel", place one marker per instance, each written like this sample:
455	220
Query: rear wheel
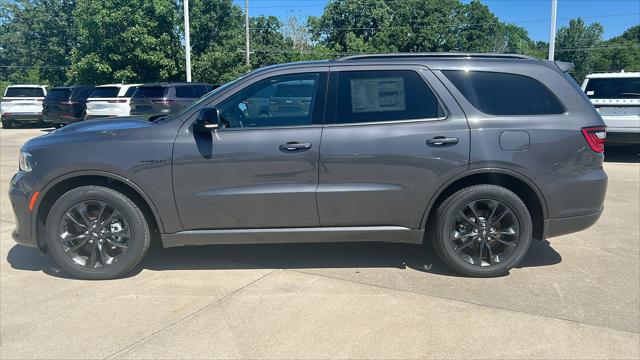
95	232
482	231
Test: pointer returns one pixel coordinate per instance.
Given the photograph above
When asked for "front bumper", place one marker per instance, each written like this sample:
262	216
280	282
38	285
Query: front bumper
21	189
568	225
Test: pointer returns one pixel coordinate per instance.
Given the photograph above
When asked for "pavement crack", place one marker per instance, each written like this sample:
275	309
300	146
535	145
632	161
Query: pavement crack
188	316
465	301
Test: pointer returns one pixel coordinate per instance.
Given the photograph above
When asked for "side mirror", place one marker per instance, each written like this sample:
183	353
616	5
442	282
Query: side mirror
208	120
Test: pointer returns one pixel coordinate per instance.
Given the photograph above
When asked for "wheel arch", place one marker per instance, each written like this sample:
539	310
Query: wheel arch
55	188
516	182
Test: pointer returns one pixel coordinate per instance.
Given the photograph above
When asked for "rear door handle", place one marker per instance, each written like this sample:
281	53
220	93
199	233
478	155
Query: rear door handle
442	140
295	146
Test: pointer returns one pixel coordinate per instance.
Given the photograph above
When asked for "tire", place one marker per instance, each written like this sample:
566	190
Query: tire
126	218
7	124
451	235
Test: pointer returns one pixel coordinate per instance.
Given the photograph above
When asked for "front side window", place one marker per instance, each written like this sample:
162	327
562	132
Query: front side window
288	100
505	94
374	96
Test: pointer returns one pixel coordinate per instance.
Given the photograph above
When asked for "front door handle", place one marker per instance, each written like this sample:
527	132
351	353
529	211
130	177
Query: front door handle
295	146
442	141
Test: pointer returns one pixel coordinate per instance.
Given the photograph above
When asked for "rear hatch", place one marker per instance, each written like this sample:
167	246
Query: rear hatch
22	100
104	101
57	103
148	100
617	100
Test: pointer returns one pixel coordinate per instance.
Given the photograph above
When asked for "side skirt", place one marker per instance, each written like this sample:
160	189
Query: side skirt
294	235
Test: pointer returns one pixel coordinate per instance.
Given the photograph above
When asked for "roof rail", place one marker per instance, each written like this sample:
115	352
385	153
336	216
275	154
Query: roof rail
436	55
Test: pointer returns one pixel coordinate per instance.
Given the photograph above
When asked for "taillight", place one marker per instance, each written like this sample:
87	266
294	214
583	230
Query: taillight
164	102
595	137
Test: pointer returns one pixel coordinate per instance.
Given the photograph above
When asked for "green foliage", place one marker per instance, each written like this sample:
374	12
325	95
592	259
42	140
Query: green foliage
621	52
574	43
36	37
126	41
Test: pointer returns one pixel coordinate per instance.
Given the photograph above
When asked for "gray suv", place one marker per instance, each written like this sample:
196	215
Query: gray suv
166	98
478	153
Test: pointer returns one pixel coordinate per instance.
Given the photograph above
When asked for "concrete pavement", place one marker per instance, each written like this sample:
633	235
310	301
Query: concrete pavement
575	296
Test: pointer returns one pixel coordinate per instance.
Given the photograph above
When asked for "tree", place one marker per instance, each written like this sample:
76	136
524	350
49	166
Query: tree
577	43
217	40
268	44
36	37
620	53
126	41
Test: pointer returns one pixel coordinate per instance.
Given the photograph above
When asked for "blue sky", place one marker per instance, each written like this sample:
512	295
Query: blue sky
533	15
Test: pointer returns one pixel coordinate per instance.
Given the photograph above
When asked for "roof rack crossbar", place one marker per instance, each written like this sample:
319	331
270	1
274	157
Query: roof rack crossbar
436	55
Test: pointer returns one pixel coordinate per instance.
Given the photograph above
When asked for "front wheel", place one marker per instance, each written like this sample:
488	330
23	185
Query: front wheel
95	232
482	231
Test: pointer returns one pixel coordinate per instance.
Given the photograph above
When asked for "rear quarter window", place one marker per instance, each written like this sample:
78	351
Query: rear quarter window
498	93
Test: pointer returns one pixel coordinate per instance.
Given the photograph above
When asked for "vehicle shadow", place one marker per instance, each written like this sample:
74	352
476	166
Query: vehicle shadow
286	256
622	154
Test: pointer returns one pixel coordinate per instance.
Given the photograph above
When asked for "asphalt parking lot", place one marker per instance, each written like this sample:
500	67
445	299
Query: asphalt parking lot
575	296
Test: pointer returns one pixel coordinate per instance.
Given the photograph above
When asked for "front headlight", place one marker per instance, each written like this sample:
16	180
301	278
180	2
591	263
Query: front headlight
25	162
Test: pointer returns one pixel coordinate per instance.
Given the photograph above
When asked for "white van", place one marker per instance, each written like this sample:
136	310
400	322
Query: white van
616	96
110	100
22	104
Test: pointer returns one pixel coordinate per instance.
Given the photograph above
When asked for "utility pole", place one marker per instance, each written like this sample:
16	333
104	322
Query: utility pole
552	33
187	39
246	33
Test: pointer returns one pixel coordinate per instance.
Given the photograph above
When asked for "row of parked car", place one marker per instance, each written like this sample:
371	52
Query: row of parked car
68	104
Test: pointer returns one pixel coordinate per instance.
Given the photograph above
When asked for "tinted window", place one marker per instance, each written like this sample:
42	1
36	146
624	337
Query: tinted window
58	94
105	92
613	88
505	94
370	96
149	92
259	106
80	93
185	92
24	92
130	92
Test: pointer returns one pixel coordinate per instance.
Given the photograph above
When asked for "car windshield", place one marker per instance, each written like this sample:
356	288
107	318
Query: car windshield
203	99
149	92
105	92
24	92
58	94
613	88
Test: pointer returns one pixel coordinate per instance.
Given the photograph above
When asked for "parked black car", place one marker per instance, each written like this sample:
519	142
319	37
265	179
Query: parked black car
166	98
65	104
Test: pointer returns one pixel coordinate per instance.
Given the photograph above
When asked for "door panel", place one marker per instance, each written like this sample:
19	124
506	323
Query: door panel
384	172
253	172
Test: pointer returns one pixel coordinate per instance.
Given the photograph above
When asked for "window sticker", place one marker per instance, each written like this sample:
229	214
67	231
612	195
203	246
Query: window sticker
377	94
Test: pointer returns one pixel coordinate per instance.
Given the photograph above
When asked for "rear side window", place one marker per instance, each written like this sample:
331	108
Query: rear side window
505	94
149	92
130	92
372	96
25	92
613	88
105	92
58	94
185	92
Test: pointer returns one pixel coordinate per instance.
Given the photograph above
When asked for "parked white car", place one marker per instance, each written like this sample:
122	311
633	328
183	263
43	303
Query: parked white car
616	96
22	104
110	100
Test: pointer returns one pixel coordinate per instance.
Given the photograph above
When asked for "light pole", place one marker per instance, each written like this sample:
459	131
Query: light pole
552	32
187	39
246	33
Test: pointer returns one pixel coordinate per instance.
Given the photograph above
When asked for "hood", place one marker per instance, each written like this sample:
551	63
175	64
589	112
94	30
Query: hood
108	125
